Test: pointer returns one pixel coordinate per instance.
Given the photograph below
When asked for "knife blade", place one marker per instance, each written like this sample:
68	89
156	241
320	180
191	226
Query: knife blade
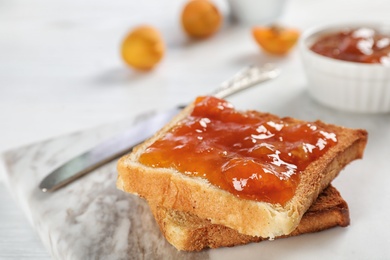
143	129
107	150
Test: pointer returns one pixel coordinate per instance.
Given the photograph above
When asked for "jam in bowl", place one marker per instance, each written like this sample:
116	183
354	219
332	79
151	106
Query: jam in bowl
348	66
364	44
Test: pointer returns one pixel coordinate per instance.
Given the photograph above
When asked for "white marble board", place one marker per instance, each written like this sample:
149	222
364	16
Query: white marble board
91	219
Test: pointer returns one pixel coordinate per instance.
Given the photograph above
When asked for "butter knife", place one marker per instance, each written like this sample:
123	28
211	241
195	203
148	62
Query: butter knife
145	128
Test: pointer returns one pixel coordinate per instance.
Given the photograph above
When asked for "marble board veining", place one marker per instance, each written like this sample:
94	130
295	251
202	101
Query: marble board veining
91	219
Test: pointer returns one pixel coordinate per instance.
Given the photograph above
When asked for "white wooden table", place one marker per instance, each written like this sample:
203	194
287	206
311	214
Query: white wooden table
60	72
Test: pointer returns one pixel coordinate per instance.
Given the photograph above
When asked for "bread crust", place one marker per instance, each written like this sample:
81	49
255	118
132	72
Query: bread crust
174	190
188	232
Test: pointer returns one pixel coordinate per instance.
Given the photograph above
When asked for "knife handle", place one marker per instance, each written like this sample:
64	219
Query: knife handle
245	78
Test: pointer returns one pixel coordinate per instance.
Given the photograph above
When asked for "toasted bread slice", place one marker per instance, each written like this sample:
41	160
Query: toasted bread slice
188	232
174	190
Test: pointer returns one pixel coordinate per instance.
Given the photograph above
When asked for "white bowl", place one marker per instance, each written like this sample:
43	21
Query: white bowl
256	12
345	85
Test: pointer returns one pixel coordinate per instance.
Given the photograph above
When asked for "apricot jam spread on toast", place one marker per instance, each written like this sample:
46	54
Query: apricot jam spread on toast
252	155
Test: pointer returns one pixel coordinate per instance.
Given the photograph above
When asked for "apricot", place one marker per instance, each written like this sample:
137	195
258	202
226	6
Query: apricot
200	18
143	48
275	39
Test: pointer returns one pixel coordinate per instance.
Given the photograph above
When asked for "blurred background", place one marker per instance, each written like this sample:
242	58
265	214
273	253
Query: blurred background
61	71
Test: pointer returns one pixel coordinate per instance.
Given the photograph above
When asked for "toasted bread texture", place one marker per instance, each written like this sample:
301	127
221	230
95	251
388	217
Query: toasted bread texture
188	232
174	190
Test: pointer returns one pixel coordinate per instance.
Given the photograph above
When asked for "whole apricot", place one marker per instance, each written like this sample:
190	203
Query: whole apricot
275	39
143	48
200	18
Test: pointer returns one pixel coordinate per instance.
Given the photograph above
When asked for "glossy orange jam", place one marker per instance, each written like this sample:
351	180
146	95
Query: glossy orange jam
252	156
363	45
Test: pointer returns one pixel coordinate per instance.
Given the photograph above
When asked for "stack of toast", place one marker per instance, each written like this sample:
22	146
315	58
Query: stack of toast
194	214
